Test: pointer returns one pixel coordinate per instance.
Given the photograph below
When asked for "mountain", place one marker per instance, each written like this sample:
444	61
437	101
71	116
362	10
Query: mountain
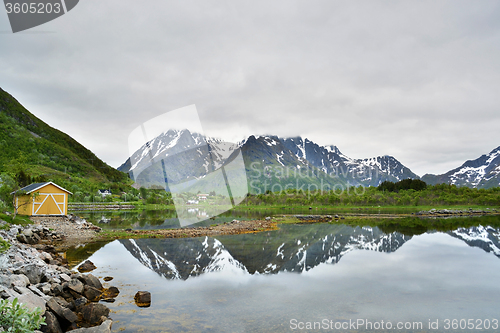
271	163
367	172
483	172
45	150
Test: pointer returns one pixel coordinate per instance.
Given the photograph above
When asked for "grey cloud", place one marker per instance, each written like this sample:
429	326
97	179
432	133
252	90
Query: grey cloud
417	80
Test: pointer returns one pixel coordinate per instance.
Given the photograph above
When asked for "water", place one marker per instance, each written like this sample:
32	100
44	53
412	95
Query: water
317	274
167	218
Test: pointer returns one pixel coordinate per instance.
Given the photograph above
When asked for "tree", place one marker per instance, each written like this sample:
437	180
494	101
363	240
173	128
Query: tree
17	205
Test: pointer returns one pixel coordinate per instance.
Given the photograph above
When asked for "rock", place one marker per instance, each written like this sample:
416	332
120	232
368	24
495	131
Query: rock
92	313
45	288
32	271
62	312
105	327
46	257
37	291
92	294
22	238
92	281
19	280
76	286
108	300
143	299
79	303
111	292
56	289
108	278
87	266
22	290
64	277
52	324
62	302
31	301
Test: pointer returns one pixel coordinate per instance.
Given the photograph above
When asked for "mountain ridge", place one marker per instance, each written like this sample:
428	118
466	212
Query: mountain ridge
44	148
328	166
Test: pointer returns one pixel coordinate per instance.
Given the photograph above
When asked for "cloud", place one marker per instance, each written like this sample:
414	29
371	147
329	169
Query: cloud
417	80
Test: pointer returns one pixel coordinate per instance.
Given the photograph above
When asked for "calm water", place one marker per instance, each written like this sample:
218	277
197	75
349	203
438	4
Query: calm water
167	218
334	275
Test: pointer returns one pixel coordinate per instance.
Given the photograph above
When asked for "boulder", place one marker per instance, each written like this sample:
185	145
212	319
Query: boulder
76	286
62	302
56	289
92	281
92	294
105	327
51	324
79	303
44	288
143	299
32	271
92	313
61	311
110	292
19	280
87	266
64	277
31	300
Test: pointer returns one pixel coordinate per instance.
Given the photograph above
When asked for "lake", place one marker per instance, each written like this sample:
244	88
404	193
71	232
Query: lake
326	277
167	218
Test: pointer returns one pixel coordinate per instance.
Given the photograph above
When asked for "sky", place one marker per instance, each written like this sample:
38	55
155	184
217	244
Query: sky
418	80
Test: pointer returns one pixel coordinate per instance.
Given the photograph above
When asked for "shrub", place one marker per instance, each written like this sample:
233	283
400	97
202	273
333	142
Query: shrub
16	318
4	246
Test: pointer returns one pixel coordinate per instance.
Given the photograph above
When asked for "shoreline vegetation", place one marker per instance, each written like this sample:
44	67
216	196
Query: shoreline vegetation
432	196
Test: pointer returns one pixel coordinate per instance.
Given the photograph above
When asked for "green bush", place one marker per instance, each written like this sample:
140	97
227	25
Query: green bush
16	318
4	246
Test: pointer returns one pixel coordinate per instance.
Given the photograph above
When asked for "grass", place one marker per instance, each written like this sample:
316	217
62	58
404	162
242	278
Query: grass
20	219
110	235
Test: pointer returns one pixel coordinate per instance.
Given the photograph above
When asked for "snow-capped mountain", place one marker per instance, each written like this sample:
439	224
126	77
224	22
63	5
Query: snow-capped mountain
183	258
269	161
178	155
329	159
483	172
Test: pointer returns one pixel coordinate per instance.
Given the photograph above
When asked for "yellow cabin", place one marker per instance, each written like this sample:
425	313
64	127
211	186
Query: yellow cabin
43	199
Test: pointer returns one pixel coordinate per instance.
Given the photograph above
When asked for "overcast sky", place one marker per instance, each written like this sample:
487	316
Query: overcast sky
419	80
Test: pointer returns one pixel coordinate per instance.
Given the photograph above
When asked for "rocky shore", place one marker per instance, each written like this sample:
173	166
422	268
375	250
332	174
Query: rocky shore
229	228
38	277
456	212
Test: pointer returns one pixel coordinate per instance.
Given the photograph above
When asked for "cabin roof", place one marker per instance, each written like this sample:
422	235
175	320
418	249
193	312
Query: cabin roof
36	186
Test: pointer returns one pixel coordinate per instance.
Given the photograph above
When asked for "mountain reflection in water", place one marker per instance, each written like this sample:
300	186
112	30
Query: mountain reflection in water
260	282
289	251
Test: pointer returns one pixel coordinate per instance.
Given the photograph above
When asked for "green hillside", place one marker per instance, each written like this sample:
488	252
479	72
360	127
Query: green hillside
28	146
